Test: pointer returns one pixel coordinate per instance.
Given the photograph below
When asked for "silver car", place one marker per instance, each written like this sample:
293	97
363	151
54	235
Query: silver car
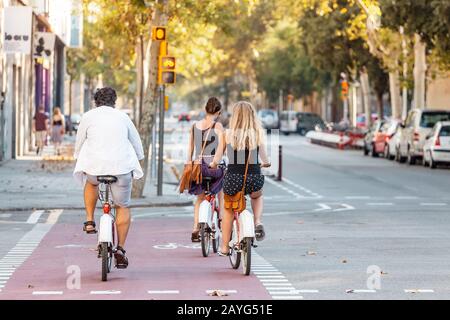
269	118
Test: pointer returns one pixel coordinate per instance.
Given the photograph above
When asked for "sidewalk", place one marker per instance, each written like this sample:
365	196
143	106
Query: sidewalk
46	182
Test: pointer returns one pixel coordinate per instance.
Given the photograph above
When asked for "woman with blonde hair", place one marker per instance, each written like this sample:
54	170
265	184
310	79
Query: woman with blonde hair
244	140
58	129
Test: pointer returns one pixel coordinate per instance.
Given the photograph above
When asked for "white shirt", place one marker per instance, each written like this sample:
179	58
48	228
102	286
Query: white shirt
107	144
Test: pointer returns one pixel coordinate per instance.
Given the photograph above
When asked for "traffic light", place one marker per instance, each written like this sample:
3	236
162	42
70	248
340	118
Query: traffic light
344	89
166	70
159	33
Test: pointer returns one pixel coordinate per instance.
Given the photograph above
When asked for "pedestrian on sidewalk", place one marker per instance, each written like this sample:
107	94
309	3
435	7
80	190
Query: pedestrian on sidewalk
40	129
58	129
244	144
204	140
108	143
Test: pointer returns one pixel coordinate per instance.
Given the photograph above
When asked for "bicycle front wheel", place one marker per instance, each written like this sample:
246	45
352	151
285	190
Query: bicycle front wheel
205	239
246	256
104	252
235	252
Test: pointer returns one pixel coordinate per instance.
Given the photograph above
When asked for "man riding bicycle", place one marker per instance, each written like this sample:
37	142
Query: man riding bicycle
108	144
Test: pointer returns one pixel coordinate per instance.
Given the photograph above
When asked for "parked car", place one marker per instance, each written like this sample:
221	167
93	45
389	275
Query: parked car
269	118
436	149
417	126
392	136
374	139
300	122
184	117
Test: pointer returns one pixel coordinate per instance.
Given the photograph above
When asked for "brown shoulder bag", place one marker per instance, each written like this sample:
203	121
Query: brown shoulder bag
192	172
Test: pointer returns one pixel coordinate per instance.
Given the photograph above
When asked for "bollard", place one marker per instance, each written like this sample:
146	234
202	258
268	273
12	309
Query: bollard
341	141
280	163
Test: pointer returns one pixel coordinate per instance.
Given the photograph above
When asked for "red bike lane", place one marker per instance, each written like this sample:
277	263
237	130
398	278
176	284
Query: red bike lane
175	271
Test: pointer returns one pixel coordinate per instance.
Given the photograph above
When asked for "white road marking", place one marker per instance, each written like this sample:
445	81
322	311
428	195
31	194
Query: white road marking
34	217
5	215
273	280
405	197
277	284
309	192
288	297
279	288
267	272
323	207
437	204
419	291
54	215
357	197
41	293
16	256
269	277
308	291
224	291
163	291
345	207
380	204
106	292
362	291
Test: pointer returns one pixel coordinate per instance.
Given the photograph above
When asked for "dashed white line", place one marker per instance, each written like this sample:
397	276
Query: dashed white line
54	216
224	291
288	297
380	204
41	293
106	292
419	291
357	197
406	197
437	204
163	291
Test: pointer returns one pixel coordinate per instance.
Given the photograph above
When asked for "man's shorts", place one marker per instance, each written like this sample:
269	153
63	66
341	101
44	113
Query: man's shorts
121	189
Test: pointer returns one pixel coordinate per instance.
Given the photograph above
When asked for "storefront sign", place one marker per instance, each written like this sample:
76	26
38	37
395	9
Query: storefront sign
17	29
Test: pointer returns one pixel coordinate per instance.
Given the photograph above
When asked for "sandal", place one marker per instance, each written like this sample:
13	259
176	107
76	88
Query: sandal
121	259
260	234
220	253
90	231
195	237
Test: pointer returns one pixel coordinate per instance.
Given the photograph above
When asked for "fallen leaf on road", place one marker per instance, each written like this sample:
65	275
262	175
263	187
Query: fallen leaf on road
382	272
349	291
344	261
311	253
218	293
30	286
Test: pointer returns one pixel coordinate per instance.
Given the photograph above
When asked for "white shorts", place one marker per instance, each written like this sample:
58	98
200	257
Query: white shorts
121	189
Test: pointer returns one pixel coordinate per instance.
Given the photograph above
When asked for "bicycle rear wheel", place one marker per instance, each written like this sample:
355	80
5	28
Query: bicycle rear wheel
235	256
104	252
205	239
246	255
216	233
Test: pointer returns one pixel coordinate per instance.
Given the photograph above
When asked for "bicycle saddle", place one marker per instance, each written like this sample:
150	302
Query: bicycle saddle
107	179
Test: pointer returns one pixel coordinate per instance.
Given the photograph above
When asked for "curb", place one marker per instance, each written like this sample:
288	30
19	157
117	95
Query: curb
143	205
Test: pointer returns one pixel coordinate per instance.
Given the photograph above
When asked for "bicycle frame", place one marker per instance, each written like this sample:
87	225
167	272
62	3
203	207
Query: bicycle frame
107	220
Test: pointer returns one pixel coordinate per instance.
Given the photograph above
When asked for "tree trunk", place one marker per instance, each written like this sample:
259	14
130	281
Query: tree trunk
394	92
365	88
70	104
420	68
380	105
149	101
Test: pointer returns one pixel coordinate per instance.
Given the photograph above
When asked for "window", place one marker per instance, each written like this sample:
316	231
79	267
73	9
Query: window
445	131
429	119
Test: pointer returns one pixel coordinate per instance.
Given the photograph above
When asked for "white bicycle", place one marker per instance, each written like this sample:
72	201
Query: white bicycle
242	241
208	218
107	229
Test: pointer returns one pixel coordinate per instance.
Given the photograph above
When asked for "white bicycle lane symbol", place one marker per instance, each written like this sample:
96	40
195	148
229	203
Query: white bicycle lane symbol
173	245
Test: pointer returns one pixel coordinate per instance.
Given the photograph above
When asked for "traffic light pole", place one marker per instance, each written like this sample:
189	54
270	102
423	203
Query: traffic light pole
161	140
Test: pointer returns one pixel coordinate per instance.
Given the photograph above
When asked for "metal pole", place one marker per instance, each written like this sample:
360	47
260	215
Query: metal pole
153	160
161	140
280	163
405	75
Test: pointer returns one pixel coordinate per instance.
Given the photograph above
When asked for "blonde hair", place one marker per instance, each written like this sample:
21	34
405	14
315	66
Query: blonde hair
57	111
245	128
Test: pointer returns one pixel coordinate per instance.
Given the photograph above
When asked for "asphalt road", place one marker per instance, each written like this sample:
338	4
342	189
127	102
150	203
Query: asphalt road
340	226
